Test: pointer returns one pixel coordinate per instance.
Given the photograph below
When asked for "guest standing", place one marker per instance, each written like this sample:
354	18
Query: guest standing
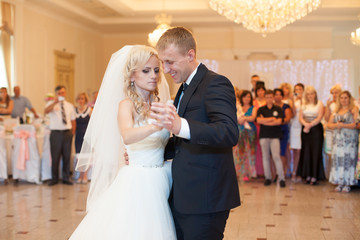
62	126
288	98
83	113
92	103
259	101
345	143
6	104
312	136
329	109
270	118
295	130
245	156
254	79
20	104
284	141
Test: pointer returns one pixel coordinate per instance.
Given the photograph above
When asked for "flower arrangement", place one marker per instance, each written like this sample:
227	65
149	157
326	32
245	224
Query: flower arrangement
49	97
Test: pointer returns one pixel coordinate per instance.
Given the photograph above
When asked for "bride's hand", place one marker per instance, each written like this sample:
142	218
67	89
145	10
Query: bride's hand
155	127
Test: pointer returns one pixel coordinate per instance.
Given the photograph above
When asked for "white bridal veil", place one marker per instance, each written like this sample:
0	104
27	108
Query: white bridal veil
103	148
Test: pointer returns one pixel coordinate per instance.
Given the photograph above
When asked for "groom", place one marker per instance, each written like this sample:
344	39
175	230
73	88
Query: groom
205	129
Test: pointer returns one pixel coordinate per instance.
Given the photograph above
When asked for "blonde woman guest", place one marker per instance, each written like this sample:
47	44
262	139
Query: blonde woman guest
295	130
83	113
6	104
259	101
312	136
345	143
288	98
329	109
245	156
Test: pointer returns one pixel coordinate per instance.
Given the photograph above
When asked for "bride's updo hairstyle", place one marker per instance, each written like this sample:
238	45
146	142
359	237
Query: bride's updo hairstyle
138	56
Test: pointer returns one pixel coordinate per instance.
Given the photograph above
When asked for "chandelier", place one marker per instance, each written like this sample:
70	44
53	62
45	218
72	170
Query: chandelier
163	20
355	35
264	16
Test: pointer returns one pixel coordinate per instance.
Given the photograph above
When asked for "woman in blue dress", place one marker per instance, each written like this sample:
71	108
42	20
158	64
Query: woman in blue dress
83	113
345	143
284	141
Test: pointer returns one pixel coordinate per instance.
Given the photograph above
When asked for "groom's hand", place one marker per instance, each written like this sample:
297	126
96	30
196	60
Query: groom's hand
126	158
166	116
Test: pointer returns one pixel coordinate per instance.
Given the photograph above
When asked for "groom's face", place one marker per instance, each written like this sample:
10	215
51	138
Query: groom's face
176	63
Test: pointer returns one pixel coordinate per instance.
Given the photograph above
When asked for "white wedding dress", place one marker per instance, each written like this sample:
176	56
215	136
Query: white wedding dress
135	206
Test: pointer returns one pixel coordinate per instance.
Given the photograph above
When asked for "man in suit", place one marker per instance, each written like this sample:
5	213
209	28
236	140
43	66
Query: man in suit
205	130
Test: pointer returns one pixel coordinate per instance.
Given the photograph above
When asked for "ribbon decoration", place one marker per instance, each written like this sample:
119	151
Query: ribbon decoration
24	148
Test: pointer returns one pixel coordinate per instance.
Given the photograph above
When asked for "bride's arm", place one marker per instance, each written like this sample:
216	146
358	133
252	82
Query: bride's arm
129	133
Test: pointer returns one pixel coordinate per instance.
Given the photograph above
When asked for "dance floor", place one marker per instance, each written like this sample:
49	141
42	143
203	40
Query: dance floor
299	211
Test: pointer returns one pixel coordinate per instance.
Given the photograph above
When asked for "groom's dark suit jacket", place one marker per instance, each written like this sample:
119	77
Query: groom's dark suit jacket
204	178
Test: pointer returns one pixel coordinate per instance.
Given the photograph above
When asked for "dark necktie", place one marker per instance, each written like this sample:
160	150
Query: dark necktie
63	116
185	85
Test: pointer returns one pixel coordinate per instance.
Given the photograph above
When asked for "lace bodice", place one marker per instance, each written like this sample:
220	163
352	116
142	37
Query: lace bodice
148	152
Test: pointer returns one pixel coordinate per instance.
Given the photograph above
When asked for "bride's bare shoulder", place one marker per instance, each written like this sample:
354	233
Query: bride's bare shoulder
126	102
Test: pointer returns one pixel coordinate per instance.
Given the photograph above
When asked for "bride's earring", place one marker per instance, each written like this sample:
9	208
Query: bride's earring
132	84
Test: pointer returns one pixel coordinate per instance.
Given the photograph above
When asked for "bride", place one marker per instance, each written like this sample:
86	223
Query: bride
131	203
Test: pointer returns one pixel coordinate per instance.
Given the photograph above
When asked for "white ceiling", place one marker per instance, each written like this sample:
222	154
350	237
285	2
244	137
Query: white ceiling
118	16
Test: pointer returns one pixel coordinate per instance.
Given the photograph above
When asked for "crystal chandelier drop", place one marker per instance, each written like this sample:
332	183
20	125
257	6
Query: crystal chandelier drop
163	20
264	16
355	36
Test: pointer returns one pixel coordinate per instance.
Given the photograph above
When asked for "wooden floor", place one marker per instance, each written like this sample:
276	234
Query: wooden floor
299	211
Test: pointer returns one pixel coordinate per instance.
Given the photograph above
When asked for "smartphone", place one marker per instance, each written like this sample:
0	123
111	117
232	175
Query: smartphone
61	98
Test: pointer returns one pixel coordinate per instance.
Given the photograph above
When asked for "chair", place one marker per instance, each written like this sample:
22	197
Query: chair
3	158
25	156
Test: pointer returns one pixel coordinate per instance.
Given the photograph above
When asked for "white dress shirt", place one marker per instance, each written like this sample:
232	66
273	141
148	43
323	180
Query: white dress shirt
185	129
56	122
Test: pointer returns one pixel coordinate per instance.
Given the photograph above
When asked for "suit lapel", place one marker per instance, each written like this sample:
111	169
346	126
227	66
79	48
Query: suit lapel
191	88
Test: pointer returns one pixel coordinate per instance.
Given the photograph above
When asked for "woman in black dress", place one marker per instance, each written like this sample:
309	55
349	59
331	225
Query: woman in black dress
311	166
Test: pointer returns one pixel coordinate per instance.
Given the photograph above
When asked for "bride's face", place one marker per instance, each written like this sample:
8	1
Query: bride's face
146	78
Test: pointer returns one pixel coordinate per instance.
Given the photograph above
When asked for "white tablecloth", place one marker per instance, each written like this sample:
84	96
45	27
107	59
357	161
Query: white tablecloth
43	146
9	146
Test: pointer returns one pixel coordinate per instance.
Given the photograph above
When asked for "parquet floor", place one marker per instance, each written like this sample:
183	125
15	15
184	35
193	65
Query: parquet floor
299	211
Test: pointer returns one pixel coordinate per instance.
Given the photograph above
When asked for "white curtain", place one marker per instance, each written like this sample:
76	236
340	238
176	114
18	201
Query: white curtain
7	13
3	76
321	74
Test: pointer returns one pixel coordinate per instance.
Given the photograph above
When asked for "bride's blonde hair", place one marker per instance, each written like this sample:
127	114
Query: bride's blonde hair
138	57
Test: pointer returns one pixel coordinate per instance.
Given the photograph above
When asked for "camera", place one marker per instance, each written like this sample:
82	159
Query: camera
61	98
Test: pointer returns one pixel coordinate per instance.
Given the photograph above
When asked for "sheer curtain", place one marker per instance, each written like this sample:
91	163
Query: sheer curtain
6	44
3	76
321	74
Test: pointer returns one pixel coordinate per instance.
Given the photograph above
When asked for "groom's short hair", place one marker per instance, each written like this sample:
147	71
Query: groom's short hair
181	37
